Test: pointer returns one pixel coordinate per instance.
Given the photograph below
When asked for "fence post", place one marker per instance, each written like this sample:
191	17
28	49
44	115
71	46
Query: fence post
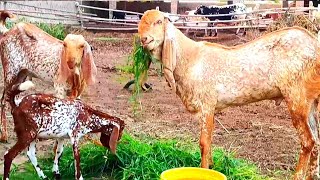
112	5
174	6
5	5
79	14
285	3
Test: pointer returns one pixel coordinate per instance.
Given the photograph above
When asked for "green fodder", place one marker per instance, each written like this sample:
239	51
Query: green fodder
289	20
56	30
140	59
144	160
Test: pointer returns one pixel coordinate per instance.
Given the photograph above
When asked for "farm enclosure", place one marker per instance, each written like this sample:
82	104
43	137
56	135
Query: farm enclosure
256	132
261	132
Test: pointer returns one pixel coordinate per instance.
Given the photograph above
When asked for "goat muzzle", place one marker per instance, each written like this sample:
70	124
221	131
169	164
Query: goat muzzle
145	41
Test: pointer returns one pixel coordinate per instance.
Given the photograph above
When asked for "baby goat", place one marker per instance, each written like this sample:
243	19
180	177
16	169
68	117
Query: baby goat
41	116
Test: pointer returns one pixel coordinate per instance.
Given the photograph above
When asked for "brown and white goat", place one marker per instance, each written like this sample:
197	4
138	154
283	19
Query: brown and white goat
209	77
68	64
41	116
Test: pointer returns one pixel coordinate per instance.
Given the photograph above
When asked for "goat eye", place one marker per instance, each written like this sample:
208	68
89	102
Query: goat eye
159	22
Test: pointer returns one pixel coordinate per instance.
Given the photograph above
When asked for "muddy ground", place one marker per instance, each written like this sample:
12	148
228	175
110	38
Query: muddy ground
260	132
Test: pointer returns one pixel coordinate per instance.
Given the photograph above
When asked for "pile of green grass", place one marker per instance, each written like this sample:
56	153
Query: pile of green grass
56	30
143	160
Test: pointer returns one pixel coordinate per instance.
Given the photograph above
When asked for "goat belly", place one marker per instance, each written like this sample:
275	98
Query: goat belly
55	132
56	119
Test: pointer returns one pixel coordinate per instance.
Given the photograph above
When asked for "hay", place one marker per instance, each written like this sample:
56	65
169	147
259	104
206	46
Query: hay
289	20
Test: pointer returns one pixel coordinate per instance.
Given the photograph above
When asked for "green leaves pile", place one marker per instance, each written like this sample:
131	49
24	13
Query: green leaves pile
139	160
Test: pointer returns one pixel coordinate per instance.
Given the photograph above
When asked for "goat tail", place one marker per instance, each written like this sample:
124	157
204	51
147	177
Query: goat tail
19	84
3	16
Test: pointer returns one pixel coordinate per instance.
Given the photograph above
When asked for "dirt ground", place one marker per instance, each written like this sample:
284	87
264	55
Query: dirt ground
260	132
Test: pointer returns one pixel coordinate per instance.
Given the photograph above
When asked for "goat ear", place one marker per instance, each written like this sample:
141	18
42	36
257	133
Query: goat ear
114	139
88	66
169	54
63	72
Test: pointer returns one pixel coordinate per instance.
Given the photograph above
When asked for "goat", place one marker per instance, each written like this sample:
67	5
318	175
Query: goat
42	116
3	16
68	64
238	9
209	77
315	3
197	24
118	15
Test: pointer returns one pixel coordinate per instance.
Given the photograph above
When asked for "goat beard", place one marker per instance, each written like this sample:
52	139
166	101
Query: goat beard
157	52
75	81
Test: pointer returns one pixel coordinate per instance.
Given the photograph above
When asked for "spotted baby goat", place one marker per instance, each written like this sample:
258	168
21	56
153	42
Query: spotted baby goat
42	116
68	65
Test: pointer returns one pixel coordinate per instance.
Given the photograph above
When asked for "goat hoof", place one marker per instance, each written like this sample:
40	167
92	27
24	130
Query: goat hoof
146	87
57	176
128	84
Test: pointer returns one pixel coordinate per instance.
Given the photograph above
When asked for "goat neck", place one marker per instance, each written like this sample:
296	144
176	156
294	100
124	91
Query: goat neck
99	121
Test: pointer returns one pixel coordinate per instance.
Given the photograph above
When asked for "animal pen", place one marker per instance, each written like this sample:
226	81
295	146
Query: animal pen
256	132
83	18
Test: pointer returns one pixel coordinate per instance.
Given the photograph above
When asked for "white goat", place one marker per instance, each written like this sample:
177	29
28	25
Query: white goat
209	77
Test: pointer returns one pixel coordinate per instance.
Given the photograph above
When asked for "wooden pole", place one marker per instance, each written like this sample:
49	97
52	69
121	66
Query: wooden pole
112	5
285	4
174	6
306	3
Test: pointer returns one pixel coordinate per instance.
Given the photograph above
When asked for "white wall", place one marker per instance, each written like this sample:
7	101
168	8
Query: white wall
67	6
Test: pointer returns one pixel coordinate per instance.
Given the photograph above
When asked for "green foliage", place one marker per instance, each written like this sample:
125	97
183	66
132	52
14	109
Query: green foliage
56	30
143	160
125	68
140	59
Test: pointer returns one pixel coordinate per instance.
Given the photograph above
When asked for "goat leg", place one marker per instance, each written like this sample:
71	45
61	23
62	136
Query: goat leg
313	169
76	155
145	87
4	133
299	114
20	145
31	153
238	30
58	152
215	33
207	125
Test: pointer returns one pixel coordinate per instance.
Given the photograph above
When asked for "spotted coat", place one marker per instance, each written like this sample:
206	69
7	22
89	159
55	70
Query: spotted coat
26	46
209	77
41	116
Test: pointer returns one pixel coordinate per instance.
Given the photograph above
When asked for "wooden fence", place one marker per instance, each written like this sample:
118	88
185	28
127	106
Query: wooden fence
80	16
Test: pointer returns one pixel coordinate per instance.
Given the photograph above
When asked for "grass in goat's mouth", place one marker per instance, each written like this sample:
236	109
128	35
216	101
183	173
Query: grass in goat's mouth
140	58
